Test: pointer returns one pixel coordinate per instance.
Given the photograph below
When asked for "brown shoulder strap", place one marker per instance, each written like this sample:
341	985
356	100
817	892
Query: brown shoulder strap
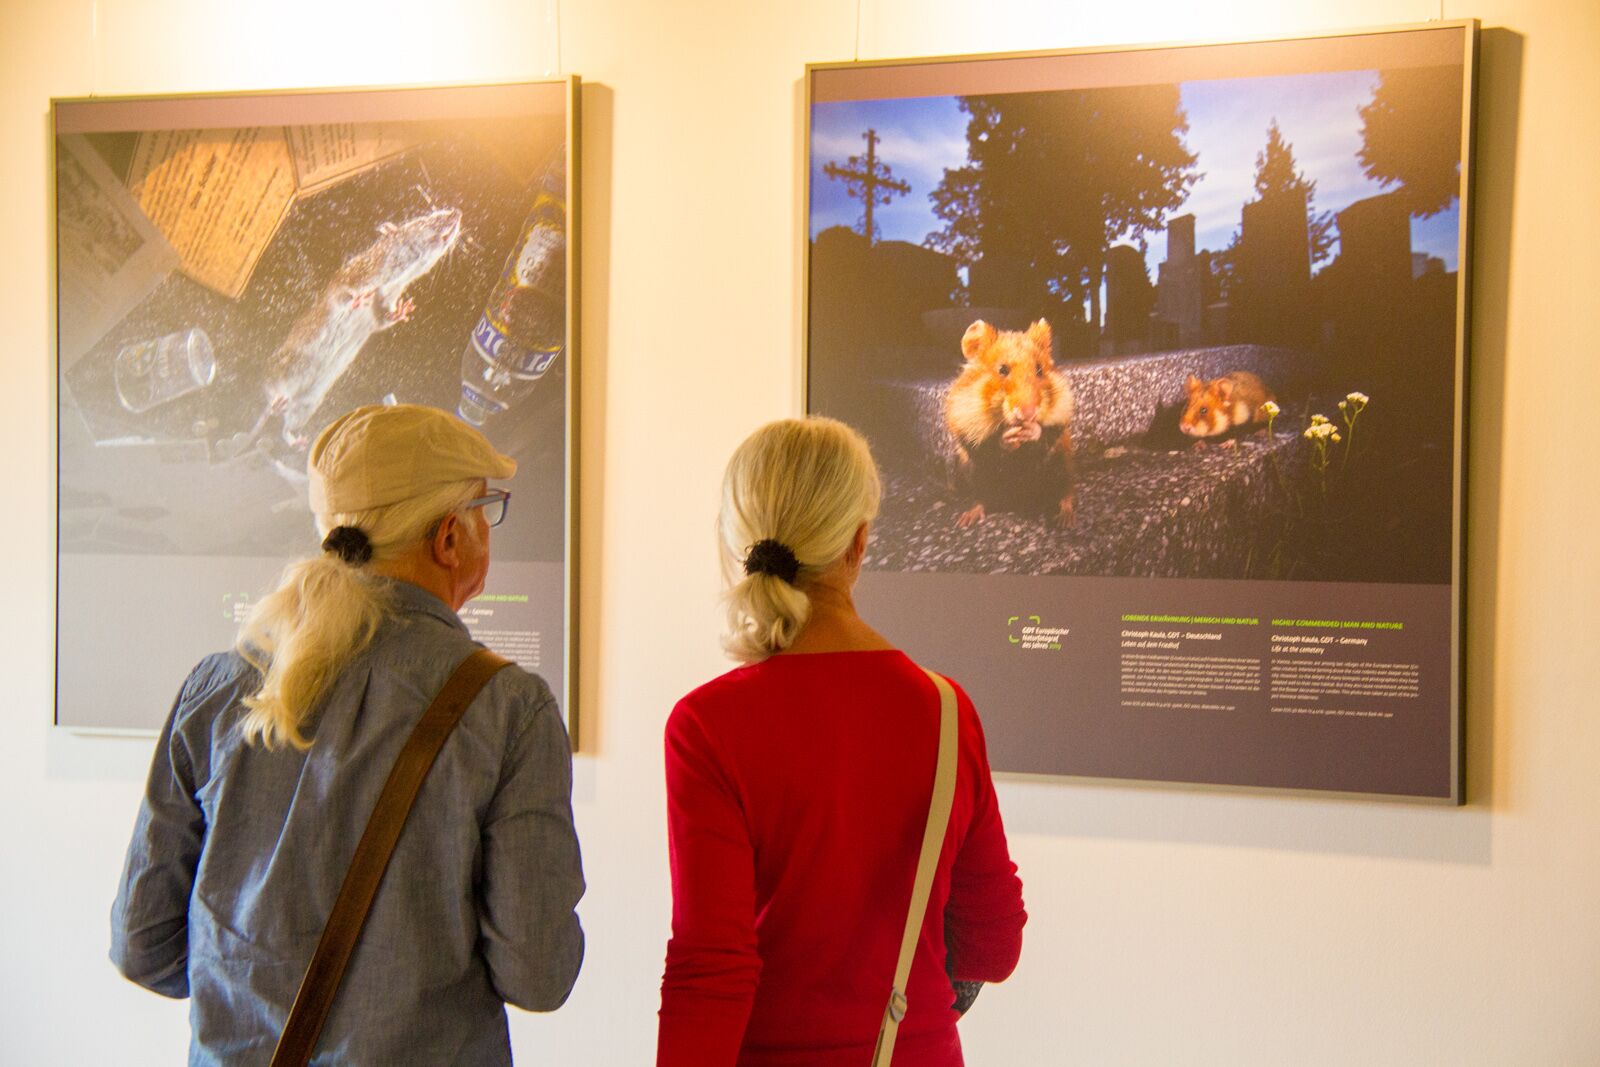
371	859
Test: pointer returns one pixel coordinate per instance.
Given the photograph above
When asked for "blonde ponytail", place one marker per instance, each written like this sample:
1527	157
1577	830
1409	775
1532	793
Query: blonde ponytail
765	614
807	484
325	611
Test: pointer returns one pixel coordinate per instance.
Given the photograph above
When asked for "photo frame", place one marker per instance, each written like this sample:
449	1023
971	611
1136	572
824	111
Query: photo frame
1162	351
234	271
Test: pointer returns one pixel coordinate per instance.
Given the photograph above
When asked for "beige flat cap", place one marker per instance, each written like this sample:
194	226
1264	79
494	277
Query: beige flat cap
382	454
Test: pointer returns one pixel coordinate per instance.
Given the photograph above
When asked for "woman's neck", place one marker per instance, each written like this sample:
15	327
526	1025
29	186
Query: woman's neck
833	624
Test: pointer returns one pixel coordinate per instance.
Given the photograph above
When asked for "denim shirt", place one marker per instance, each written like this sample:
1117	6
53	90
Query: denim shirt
238	853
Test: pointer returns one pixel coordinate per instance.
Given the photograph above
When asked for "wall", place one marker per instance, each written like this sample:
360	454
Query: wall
1168	926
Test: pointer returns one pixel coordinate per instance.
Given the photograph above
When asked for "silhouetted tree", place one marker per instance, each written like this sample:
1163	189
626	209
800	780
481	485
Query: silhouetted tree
1410	134
1223	267
955	200
1054	178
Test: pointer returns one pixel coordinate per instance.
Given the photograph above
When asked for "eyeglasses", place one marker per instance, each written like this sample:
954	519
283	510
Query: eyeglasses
493	504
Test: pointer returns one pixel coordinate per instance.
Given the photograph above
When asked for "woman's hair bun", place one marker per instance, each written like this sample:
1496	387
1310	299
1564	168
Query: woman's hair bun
772	557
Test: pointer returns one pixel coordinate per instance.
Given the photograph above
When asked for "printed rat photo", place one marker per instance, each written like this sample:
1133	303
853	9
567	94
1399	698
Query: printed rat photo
1010	411
1224	407
365	297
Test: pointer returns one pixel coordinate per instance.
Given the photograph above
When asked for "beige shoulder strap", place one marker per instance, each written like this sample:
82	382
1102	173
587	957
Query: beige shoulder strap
944	791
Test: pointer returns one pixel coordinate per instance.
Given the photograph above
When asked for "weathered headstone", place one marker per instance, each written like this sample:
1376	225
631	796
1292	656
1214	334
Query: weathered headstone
1129	298
1270	297
1180	294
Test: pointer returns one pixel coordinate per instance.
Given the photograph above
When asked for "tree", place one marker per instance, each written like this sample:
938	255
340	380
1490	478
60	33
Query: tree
1222	268
1276	175
955	200
1409	135
1053	179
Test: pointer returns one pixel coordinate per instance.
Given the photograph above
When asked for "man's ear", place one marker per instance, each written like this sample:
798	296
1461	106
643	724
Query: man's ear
446	545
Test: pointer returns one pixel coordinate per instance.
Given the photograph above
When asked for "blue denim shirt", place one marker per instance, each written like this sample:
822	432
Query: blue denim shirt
239	851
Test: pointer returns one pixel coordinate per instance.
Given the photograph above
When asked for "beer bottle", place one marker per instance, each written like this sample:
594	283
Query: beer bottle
523	327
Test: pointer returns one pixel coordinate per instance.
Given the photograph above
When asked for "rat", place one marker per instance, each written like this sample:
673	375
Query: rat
366	296
1010	411
1229	404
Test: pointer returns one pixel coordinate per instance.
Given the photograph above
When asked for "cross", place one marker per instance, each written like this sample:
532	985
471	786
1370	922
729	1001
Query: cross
869	179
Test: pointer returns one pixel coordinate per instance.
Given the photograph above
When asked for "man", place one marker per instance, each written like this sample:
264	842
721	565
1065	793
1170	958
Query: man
274	754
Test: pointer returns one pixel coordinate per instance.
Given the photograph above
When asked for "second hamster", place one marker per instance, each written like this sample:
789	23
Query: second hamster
1222	405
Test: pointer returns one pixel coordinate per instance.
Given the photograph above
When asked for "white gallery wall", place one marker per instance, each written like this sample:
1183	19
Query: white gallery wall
1168	926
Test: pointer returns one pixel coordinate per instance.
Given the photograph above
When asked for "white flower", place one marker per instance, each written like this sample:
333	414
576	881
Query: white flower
1270	409
1319	420
1343	405
1337	438
1320	431
1359	399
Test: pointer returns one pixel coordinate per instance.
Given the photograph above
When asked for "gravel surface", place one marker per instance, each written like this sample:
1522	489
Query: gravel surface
1139	513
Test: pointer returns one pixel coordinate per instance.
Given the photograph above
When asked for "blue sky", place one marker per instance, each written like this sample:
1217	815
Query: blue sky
1228	119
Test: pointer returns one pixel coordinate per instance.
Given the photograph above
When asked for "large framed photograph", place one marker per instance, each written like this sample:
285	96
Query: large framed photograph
1162	351
232	273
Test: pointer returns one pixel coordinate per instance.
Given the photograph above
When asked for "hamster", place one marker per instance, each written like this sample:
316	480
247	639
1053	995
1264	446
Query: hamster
1010	411
1231	403
365	297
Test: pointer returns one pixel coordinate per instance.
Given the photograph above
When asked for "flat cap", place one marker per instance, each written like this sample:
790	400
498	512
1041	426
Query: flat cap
382	454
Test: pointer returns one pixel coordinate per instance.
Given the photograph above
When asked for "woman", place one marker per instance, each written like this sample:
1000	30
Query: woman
797	793
274	755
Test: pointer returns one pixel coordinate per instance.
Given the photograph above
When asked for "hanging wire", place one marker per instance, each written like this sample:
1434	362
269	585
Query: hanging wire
859	4
94	47
551	63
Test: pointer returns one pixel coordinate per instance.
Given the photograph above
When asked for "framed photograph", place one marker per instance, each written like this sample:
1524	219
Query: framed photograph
1162	351
232	273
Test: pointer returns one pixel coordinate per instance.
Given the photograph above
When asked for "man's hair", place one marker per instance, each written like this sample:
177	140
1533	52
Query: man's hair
325	611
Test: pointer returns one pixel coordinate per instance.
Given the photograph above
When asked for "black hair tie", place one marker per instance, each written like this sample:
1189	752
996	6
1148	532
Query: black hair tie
772	557
349	543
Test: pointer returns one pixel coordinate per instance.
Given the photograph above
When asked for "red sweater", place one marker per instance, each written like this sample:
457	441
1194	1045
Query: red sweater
797	793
